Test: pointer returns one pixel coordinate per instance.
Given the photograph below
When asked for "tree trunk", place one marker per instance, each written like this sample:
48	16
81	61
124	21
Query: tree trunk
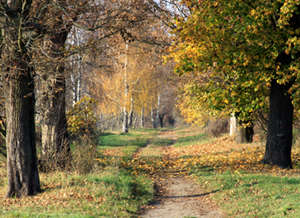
142	123
280	127
125	120
22	171
131	113
157	111
18	86
55	141
125	112
161	120
244	134
152	118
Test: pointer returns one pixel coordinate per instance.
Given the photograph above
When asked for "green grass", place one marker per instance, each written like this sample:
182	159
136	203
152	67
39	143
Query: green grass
110	193
156	142
115	192
190	140
128	143
252	195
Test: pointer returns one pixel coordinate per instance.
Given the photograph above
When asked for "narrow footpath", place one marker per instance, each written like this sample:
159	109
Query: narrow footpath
179	197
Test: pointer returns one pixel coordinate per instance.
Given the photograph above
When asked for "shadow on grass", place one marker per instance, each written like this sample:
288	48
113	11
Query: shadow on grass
193	196
107	134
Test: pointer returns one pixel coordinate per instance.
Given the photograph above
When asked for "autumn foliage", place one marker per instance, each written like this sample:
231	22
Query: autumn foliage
81	118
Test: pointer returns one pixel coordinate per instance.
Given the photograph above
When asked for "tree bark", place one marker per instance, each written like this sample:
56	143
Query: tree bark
131	113
55	141
126	86
22	171
161	120
142	122
244	134
152	118
280	127
157	111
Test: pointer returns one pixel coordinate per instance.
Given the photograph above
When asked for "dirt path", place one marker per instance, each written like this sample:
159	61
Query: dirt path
179	197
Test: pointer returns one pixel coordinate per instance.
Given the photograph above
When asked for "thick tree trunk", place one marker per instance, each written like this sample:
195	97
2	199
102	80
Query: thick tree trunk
280	127
55	141
22	171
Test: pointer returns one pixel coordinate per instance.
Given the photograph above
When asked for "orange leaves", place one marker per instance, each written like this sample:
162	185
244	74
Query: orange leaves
221	154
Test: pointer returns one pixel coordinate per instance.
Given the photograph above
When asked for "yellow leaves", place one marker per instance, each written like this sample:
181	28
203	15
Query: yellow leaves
227	61
81	118
216	4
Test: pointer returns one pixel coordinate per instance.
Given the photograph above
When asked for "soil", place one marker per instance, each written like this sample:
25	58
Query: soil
179	197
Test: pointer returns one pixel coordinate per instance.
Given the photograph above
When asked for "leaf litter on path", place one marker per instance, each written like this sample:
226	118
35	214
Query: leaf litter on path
179	196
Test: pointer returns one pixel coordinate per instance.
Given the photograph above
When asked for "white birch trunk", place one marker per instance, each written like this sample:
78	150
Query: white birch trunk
158	111
131	113
152	117
125	112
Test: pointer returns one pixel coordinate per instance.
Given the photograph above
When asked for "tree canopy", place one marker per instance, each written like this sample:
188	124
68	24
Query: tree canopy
237	50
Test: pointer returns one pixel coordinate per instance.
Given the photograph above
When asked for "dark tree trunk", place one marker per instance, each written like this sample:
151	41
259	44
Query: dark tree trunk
161	120
280	127
22	171
244	134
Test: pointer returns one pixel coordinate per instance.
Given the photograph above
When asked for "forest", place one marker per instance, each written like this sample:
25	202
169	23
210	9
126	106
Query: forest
141	89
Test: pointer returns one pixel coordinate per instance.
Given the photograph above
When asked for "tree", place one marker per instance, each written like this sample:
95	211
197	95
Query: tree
248	46
17	32
55	143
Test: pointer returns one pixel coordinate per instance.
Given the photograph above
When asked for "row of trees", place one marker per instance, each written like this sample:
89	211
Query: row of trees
241	57
36	43
233	56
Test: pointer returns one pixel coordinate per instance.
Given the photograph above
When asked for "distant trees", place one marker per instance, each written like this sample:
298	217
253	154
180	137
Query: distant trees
33	49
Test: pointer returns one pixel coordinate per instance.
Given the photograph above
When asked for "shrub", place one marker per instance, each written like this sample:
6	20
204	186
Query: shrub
84	155
81	118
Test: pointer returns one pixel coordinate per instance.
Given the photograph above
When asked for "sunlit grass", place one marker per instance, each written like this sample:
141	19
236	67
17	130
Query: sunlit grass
120	184
121	144
108	193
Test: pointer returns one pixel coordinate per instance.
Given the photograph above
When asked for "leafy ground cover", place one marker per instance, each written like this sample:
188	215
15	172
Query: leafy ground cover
240	184
107	191
121	182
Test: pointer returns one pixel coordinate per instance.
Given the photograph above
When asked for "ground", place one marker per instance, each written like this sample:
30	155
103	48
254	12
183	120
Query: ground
178	196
